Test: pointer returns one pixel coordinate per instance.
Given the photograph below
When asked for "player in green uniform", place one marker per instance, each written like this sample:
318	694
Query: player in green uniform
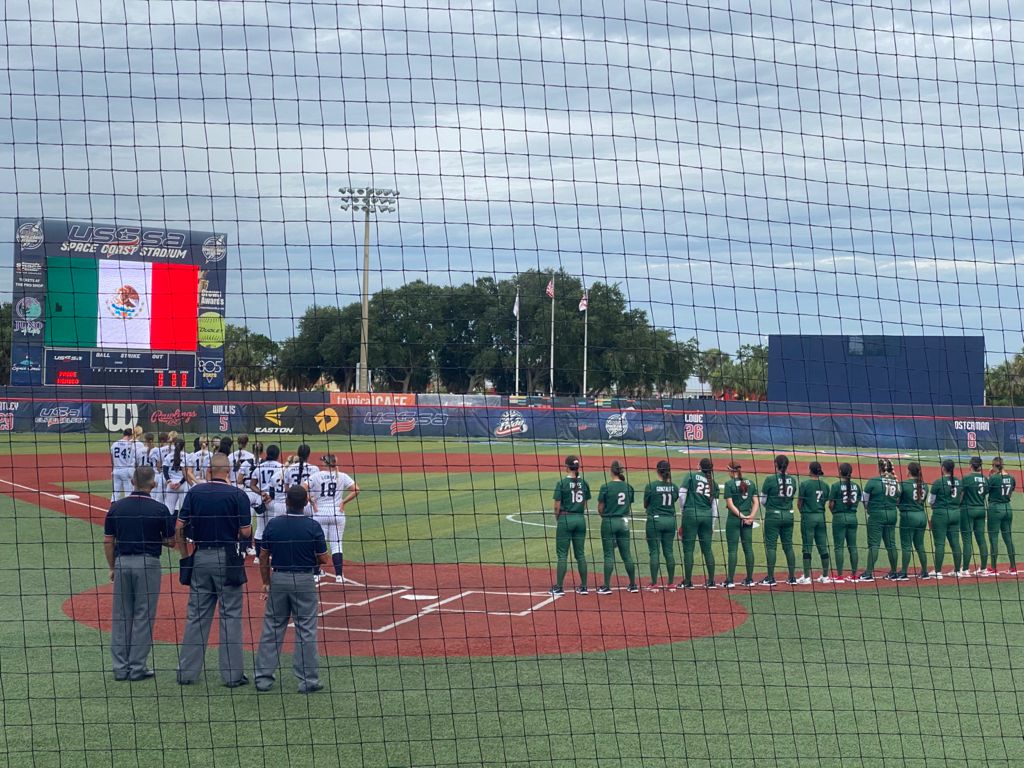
613	505
913	521
660	497
1000	516
944	499
814	493
742	502
972	516
777	493
843	501
880	498
571	496
698	497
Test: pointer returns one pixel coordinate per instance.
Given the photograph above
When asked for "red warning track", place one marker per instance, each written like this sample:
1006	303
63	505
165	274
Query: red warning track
458	611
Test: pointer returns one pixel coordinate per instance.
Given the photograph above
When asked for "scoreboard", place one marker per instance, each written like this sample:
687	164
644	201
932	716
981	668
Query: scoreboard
75	367
117	305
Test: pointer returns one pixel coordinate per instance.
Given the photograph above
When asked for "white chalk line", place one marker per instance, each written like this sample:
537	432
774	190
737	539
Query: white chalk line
437	606
58	496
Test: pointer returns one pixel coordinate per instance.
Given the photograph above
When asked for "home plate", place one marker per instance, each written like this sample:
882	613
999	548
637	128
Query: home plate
69	497
419	597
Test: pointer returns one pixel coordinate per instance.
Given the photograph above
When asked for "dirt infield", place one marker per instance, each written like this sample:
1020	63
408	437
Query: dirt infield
459	611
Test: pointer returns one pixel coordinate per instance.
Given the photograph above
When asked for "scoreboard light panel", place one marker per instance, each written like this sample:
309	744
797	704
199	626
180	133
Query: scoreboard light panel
81	367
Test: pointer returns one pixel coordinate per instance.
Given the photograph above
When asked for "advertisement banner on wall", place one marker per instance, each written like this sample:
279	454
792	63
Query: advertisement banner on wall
394	421
62	417
13	415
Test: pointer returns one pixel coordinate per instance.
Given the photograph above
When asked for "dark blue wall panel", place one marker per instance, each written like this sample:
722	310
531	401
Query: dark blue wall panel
902	370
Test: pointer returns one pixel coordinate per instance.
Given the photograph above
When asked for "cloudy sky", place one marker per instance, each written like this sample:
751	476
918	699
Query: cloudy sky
742	167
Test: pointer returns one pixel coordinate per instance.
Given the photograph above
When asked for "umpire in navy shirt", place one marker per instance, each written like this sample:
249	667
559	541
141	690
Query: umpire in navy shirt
294	550
135	531
215	516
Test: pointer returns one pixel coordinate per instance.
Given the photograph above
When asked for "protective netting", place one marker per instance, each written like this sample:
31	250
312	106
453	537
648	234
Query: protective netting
493	264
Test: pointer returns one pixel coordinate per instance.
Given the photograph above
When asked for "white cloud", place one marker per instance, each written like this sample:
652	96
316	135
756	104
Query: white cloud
784	149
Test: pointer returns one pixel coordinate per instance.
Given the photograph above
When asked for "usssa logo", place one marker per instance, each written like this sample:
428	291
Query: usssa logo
511	423
400	422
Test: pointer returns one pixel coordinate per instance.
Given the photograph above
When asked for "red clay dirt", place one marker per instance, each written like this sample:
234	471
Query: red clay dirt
459	611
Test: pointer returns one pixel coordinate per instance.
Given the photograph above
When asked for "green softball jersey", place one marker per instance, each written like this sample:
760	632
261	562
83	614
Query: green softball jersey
883	494
975	485
778	491
744	502
573	493
617	497
700	492
813	495
1000	488
846	496
660	498
912	497
947	492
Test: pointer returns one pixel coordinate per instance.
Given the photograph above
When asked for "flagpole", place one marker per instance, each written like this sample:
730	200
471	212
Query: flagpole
586	325
551	383
517	341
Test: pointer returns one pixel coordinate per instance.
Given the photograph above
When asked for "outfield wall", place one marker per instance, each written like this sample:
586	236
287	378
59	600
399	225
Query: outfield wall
279	415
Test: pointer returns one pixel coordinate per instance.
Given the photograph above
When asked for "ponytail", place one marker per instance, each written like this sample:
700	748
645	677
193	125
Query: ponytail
997	465
846	472
948	466
179	445
617	470
976	463
915	472
781	464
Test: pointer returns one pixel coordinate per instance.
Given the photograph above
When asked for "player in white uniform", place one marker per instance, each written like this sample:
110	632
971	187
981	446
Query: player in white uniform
125	456
200	458
241	459
241	463
332	490
178	476
299	471
262	481
154	458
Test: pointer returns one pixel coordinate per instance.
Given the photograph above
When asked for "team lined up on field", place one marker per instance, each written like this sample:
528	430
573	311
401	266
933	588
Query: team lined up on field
259	472
963	510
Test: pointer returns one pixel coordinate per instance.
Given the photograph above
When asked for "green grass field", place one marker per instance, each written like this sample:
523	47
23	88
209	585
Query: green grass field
864	677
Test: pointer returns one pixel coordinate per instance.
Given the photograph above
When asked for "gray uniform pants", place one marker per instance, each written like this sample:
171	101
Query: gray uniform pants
136	591
208	589
292	596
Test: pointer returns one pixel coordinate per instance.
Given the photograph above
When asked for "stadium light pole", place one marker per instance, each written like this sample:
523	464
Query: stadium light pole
367	200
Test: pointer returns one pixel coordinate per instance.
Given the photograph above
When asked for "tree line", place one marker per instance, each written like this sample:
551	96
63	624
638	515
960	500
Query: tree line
459	339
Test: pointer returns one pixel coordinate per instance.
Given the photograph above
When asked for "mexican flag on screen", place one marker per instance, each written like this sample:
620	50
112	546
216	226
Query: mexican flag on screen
121	304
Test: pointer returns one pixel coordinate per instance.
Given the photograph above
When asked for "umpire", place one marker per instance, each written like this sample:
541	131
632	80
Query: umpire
214	515
136	529
294	548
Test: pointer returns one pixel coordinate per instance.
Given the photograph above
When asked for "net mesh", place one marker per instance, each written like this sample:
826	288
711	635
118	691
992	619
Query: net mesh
449	246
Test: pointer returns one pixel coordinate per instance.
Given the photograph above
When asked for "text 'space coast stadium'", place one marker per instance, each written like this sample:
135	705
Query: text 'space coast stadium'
511	384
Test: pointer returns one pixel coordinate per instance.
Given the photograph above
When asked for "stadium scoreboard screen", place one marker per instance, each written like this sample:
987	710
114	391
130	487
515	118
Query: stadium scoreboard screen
110	305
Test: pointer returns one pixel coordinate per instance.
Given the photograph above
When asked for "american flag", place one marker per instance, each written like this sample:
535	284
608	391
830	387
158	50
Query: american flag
584	301
550	290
